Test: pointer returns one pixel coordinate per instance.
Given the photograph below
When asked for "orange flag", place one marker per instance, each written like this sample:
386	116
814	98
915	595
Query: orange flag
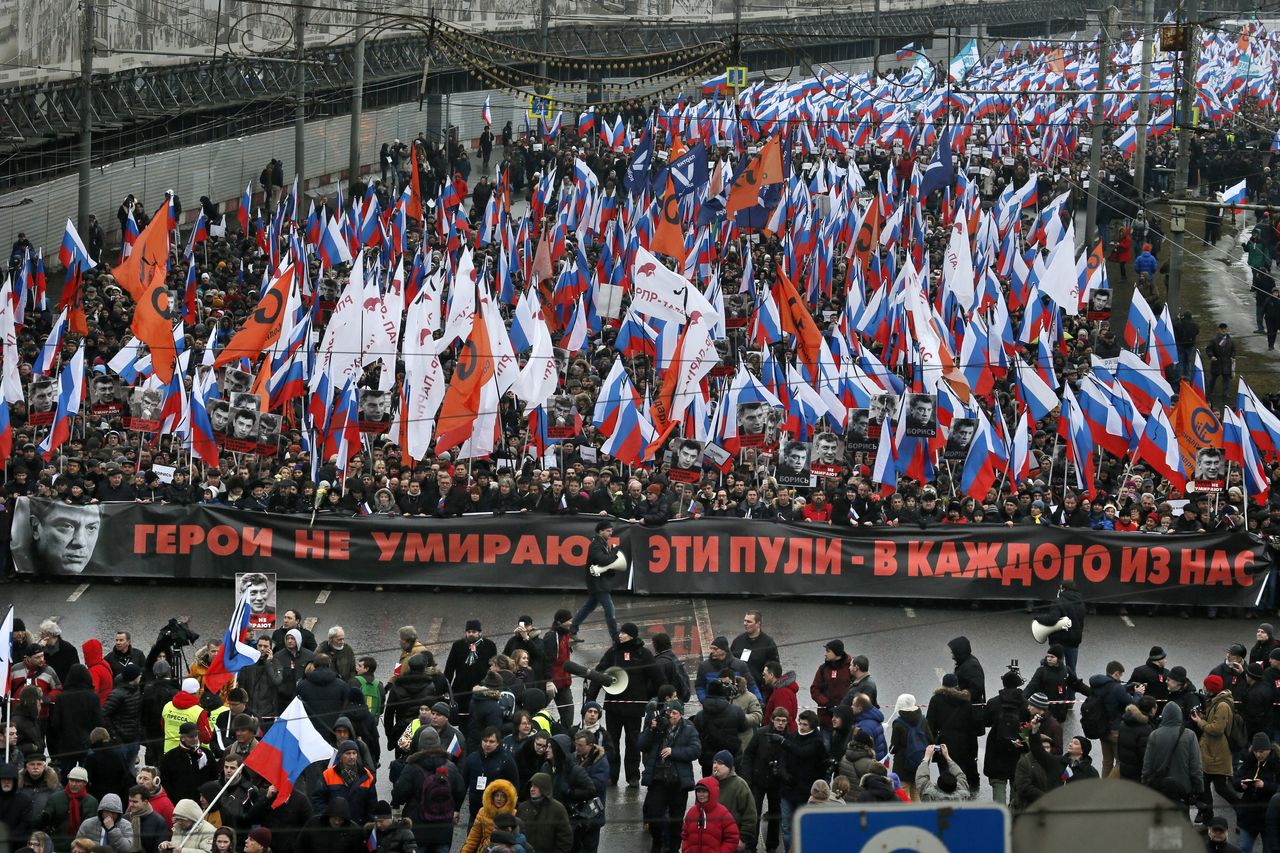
668	236
151	250
868	237
797	320
1195	425
153	324
261	328
765	168
461	403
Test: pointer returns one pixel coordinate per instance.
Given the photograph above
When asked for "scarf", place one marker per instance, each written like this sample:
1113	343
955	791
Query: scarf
73	809
471	655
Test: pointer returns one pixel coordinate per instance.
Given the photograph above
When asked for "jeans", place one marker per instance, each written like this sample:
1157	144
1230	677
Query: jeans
789	810
1000	791
597	599
771	815
1246	840
1186	360
1214	379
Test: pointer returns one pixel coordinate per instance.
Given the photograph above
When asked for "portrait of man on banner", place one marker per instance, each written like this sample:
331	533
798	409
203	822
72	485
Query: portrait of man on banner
55	538
922	415
261	587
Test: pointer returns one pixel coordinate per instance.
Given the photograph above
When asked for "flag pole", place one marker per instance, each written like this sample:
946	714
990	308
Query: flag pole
209	808
1053	460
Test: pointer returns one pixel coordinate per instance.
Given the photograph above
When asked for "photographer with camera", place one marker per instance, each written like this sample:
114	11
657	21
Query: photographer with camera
762	767
670	746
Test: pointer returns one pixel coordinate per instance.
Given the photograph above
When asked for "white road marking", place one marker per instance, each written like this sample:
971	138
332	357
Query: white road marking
80	590
702	616
910	611
1128	623
323	596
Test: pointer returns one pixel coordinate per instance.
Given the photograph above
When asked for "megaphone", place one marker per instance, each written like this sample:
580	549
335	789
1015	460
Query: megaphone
620	680
1041	631
605	679
619	563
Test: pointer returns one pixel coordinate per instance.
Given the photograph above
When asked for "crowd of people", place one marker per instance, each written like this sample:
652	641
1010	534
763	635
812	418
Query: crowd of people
495	750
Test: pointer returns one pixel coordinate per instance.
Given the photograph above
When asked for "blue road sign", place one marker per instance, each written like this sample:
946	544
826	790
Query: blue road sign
904	828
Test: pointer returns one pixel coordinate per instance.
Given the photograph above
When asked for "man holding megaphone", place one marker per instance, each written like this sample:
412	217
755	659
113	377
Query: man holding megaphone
604	563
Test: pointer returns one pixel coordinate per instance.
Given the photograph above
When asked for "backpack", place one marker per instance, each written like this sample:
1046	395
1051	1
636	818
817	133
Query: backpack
436	802
917	740
1238	734
507	702
371	689
1093	717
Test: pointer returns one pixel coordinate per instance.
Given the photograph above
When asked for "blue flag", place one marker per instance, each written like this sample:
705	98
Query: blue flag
688	172
941	171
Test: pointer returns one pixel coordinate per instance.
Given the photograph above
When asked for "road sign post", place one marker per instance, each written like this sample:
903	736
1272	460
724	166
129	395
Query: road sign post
960	827
736	76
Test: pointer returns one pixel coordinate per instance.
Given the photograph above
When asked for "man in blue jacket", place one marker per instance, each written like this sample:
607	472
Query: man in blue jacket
670	746
1115	698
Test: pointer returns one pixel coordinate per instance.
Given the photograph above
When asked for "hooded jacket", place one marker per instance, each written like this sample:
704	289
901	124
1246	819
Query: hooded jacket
478	838
1030	782
708	827
858	761
898	741
1170	744
1115	698
396	839
1135	728
15	808
968	670
319	835
951	719
570	782
720	725
408	791
871	721
122	712
735	795
324	695
99	669
1215	724
485	711
119	837
411	689
199	836
76	713
1070	603
545	822
830	684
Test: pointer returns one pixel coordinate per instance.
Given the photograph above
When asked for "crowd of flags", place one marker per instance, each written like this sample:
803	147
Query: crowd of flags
997	312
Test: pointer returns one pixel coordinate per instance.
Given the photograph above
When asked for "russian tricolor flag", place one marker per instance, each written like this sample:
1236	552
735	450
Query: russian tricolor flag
1159	448
333	246
70	393
287	749
1235	195
203	444
73	250
235	653
49	352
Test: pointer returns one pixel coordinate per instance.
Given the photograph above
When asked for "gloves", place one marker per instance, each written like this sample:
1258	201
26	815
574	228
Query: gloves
597	571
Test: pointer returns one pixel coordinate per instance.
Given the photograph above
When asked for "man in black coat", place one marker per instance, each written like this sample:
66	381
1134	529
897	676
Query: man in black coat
187	766
969	670
1071	605
323	694
1154	675
599	585
468	661
624	712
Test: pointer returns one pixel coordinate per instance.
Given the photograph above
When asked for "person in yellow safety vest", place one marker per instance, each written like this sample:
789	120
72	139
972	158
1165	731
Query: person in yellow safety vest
185	708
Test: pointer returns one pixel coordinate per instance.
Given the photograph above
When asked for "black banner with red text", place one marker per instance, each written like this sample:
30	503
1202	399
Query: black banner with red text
703	557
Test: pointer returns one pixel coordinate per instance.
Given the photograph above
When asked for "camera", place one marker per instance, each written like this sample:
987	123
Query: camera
176	635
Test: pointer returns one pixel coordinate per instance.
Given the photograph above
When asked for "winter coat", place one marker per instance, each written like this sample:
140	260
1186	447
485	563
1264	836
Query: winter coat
360	792
1170	744
782	695
968	670
1154	677
752	709
669	669
325	697
319	835
408	792
1257	706
761	763
898	741
720	725
708	827
805	761
1069	603
950	718
735	795
40	791
286	670
485	711
483	825
182	774
871	721
1004	716
570	782
1115	698
1251	812
119	837
286	823
16	814
1060	769
686	748
76	713
109	772
343	659
495	767
1055	682
1030	782
929	791
857	762
256	681
99	669
709	670
546	825
53	818
1135	728
122	712
830	683
397	839
1215	752
199	836
408	692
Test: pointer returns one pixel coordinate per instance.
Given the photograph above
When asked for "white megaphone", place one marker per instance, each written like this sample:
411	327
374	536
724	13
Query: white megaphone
619	563
1041	631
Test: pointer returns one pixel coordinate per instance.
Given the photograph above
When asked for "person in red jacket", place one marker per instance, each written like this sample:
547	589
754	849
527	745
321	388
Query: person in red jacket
99	669
780	692
830	682
708	826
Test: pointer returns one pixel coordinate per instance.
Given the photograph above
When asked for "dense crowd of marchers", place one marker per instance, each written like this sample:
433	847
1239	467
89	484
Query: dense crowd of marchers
494	750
